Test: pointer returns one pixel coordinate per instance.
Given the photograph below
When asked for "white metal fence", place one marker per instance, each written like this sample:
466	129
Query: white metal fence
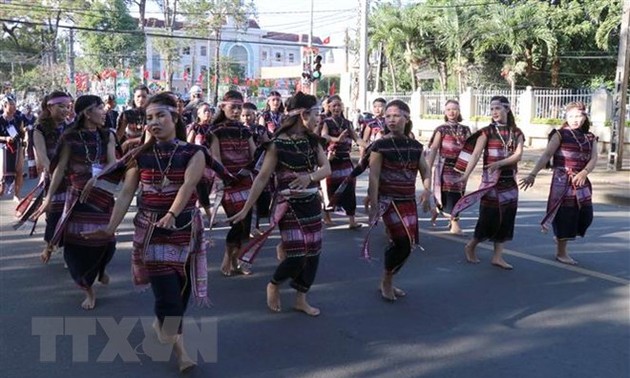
434	101
550	103
482	100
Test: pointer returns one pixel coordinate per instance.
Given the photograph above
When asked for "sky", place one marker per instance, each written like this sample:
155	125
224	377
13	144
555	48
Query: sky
330	17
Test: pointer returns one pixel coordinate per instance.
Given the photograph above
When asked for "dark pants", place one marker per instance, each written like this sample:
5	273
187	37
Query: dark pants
172	292
263	205
203	193
52	218
86	263
301	270
396	254
239	232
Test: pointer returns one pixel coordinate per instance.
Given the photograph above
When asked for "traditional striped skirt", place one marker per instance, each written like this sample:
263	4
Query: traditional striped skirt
341	169
569	208
400	217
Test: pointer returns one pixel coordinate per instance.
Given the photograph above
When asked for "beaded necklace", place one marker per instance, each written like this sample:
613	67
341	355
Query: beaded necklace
97	154
509	139
307	156
165	181
407	162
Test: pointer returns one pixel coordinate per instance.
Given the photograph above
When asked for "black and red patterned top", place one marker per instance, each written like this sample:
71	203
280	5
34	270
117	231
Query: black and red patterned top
401	161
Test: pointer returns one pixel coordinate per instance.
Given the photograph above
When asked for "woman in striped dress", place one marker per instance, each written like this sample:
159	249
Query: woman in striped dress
233	146
272	115
298	160
395	161
11	148
169	250
197	133
573	149
85	150
501	144
48	131
340	133
131	123
446	143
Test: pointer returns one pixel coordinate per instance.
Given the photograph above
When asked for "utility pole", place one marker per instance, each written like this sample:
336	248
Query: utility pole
363	55
70	62
620	99
313	89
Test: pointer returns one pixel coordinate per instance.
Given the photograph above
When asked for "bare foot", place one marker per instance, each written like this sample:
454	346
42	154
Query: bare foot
184	362
500	263
104	279
45	255
273	297
302	305
455	229
281	254
226	265
387	290
399	292
434	215
90	300
158	331
327	220
471	256
566	260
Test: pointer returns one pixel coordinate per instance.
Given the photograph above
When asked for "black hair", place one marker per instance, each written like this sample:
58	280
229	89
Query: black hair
335	98
80	105
168	99
379	99
405	108
459	116
511	122
45	118
140	87
250	106
271	94
220	116
299	101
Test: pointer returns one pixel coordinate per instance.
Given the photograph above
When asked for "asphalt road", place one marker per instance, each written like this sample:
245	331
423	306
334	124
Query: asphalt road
543	319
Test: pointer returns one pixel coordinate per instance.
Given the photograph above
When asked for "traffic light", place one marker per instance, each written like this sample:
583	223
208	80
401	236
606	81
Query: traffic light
317	66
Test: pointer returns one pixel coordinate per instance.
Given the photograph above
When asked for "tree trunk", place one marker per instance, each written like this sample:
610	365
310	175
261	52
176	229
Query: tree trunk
379	69
442	71
217	51
392	72
555	72
412	71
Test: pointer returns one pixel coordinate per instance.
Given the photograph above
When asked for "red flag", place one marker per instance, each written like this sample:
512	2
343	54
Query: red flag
227	80
326	41
235	80
185	75
127	72
146	74
200	77
248	82
332	90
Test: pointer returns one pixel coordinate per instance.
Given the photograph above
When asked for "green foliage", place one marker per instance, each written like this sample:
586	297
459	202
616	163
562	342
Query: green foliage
432	116
110	50
547	121
516	43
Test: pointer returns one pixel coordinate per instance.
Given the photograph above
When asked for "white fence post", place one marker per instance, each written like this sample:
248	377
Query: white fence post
416	107
601	111
526	106
466	104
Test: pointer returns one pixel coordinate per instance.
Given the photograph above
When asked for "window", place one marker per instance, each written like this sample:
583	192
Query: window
291	58
203	51
156	67
278	56
186	51
265	55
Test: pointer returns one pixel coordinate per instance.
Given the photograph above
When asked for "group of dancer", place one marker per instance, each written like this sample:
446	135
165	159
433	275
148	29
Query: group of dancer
293	165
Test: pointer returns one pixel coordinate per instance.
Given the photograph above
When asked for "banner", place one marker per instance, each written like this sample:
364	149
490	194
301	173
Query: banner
123	91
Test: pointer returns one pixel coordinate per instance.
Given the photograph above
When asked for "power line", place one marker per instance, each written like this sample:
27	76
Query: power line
158	35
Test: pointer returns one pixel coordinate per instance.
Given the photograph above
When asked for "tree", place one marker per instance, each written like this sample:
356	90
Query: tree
112	50
168	46
212	15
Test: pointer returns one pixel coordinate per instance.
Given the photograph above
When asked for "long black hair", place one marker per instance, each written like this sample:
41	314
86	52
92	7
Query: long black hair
274	94
405	108
230	95
81	105
299	101
511	122
170	100
48	125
